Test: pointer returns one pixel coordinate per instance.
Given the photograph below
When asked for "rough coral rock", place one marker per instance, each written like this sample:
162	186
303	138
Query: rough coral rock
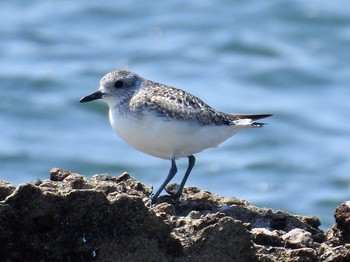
106	218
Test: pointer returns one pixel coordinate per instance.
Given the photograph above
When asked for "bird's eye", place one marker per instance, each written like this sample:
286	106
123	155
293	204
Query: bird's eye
118	84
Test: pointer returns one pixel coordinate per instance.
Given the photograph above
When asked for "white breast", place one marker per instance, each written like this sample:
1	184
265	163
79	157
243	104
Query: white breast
167	139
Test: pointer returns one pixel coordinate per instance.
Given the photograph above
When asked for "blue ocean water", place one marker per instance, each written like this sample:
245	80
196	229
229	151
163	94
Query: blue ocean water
290	58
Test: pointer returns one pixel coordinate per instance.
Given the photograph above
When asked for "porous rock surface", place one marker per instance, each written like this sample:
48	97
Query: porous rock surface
72	218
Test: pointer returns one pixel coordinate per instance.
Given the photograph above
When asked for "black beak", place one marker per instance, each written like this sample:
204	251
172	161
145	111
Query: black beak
93	96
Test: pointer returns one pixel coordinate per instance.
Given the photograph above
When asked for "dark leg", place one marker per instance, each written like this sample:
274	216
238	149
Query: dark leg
191	162
170	176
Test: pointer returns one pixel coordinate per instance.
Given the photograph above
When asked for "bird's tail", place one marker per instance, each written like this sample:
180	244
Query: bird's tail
249	120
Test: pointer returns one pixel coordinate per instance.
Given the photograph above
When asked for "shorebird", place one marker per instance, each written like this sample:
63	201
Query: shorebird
164	121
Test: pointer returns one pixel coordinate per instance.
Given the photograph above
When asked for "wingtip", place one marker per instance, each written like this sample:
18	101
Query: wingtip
260	116
251	116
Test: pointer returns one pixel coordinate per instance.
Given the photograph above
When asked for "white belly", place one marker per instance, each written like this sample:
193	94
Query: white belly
168	139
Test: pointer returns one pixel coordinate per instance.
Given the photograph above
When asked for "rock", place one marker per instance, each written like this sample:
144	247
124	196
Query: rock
222	239
6	189
58	174
342	217
81	225
105	218
335	254
263	236
298	238
339	233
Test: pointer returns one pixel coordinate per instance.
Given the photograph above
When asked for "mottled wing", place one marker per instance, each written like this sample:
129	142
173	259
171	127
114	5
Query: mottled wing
173	103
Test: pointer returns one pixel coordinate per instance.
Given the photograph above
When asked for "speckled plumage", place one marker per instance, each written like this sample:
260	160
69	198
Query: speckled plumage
172	103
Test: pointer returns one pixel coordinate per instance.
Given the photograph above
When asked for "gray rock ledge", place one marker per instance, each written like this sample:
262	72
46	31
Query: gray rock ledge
72	218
